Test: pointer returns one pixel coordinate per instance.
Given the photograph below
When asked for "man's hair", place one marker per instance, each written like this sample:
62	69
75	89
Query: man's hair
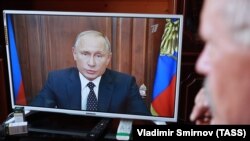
236	18
94	33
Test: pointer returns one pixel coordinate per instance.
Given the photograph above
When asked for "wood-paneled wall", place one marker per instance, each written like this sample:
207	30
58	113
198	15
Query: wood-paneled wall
45	44
131	6
4	110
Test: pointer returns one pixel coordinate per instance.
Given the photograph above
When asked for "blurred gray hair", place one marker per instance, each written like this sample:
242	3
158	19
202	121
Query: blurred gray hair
235	15
95	33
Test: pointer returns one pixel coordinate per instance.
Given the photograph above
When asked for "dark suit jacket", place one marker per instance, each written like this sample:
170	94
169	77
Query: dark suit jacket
118	92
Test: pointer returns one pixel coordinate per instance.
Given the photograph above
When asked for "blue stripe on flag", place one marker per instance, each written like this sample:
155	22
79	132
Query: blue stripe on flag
16	72
166	68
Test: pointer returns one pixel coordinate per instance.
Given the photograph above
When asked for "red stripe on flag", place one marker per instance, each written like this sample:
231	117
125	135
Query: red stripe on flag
21	99
164	102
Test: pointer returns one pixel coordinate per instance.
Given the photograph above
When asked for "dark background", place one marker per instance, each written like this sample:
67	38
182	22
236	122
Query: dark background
192	45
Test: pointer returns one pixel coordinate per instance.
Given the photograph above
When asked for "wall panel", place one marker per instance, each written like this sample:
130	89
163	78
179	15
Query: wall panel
45	44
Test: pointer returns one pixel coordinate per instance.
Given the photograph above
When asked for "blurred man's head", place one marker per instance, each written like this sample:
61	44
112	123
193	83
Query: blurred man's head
225	60
92	53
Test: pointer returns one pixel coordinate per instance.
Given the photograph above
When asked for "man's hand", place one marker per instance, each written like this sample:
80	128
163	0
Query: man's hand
201	112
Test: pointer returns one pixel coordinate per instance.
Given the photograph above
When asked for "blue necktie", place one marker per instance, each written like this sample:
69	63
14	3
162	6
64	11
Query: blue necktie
91	100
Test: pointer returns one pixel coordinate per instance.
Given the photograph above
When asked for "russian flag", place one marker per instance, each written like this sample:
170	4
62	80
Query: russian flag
163	97
19	93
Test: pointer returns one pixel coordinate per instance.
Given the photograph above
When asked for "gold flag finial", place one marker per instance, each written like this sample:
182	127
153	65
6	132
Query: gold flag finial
170	38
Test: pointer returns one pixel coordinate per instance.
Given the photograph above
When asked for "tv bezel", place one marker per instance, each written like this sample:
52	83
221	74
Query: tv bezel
89	113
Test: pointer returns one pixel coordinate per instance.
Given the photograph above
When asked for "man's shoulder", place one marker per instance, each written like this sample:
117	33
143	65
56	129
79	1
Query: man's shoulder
64	71
119	74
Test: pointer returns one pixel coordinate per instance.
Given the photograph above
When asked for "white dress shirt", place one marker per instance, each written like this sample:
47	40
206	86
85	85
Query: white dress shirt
85	89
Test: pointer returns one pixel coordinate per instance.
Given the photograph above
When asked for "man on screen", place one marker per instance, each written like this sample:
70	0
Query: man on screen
92	86
225	61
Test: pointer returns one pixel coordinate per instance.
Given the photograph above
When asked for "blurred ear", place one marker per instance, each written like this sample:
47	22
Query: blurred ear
109	58
74	52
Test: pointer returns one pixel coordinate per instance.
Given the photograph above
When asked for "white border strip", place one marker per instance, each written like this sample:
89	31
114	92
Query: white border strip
136	15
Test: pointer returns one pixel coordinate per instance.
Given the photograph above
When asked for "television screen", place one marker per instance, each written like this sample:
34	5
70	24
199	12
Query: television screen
140	77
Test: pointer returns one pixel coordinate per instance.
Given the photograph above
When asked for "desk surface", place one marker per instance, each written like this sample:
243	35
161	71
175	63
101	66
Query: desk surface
54	126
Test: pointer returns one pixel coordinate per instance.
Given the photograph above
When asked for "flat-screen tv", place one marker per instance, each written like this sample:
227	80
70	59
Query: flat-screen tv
144	46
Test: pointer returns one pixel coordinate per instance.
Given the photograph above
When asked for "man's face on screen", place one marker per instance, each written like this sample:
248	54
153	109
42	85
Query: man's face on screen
225	64
91	56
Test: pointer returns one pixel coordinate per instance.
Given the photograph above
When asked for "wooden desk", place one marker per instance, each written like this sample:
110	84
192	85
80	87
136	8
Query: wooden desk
54	127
